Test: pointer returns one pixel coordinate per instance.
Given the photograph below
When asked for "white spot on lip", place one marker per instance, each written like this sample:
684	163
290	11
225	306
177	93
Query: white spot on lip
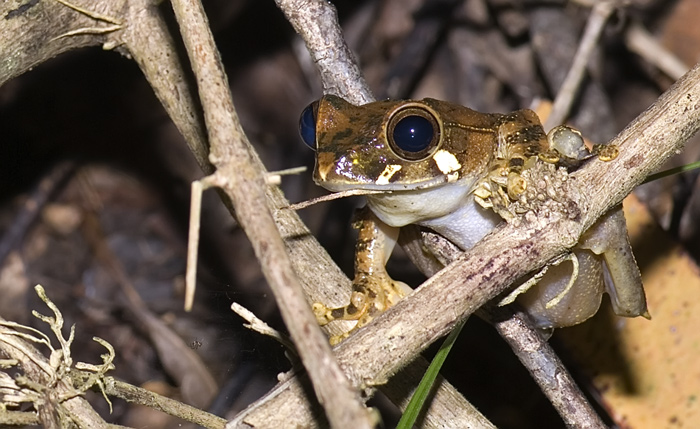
387	174
446	162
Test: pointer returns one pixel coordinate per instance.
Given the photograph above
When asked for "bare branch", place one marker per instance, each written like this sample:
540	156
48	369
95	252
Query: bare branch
147	38
137	395
317	23
245	184
567	93
32	32
544	366
639	40
534	352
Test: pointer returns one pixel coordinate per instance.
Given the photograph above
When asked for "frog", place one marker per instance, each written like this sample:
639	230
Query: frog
457	171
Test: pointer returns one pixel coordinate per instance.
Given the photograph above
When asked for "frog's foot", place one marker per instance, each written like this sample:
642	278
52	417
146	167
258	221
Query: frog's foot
359	304
371	295
608	238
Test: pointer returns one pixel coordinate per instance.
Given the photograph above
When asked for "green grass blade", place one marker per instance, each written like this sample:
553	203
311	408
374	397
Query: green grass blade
418	400
671	171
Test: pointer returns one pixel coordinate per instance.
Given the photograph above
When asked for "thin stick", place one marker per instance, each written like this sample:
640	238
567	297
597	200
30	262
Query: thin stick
532	350
544	366
274	178
198	186
245	185
642	43
567	93
259	326
316	21
331	197
137	395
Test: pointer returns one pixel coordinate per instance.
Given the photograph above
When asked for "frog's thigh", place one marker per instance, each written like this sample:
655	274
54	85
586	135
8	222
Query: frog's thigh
551	305
608	237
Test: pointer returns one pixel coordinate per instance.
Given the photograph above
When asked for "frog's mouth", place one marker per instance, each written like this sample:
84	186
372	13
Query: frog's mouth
346	173
381	186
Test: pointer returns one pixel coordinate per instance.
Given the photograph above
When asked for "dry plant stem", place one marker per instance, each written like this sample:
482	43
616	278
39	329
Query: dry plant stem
169	406
544	366
147	38
34	31
316	21
259	326
198	186
567	93
639	40
382	347
245	185
30	32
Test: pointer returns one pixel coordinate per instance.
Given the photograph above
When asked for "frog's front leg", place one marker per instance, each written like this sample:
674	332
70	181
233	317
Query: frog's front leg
373	291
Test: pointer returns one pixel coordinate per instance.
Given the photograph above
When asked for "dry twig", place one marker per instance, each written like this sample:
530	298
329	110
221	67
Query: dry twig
317	23
238	176
639	40
567	93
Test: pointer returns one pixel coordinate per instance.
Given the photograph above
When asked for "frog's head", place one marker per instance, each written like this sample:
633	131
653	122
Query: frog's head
396	145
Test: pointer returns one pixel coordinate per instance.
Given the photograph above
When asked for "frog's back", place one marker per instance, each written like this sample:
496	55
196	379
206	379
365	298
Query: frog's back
518	134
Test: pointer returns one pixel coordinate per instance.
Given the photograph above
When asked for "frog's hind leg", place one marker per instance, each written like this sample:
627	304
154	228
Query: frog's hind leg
373	291
608	237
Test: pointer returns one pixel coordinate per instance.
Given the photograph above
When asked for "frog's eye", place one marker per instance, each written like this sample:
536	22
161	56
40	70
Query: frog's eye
307	125
413	132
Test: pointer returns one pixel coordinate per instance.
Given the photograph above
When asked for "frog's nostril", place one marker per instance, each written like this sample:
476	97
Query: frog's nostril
307	126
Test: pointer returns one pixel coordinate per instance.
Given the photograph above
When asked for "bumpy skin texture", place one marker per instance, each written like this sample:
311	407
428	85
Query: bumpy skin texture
472	163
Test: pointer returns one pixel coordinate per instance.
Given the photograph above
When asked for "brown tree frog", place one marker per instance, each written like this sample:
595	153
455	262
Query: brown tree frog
444	167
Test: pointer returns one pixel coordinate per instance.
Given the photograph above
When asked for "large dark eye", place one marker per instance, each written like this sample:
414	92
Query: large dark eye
307	125
413	133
